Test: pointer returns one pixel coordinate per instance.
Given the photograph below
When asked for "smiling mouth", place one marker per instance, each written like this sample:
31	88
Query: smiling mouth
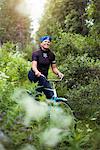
46	45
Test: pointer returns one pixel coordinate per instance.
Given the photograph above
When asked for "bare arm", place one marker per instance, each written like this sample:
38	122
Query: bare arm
34	68
56	71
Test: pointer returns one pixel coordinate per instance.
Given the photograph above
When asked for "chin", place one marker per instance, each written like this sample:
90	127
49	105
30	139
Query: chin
46	47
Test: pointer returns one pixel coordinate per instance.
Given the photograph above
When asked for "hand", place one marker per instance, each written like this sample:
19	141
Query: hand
38	74
60	75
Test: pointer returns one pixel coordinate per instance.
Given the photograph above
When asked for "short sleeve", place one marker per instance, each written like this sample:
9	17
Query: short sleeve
34	56
53	61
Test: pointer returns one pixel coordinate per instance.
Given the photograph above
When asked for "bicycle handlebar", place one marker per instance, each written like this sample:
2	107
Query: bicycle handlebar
55	80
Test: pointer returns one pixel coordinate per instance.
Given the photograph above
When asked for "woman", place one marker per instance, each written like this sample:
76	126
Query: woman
42	59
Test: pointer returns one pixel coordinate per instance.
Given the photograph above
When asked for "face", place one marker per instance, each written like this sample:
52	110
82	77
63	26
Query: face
45	44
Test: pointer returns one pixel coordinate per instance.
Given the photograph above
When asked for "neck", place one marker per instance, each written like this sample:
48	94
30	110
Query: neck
44	49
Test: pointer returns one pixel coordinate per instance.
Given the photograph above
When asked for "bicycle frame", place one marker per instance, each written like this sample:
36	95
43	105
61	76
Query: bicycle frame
53	85
59	101
55	97
53	89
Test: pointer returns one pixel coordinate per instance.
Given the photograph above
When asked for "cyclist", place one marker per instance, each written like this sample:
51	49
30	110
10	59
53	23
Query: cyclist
42	59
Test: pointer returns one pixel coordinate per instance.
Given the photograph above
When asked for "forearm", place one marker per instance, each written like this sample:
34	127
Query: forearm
35	69
55	71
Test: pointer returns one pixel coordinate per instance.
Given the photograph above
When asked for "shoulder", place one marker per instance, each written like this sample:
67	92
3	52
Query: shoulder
36	55
52	57
37	52
51	53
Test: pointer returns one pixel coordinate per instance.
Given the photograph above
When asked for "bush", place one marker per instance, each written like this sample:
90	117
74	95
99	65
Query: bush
81	84
81	87
75	44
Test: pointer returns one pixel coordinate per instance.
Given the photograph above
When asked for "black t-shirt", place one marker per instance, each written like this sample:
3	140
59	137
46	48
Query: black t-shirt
44	60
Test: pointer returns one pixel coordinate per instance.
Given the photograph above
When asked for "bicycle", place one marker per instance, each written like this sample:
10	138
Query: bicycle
57	104
56	99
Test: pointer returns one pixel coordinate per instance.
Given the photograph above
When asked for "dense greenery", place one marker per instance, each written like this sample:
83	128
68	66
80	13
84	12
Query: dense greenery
67	14
74	26
83	95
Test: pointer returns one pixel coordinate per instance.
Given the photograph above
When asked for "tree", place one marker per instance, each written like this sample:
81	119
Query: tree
13	25
93	13
68	14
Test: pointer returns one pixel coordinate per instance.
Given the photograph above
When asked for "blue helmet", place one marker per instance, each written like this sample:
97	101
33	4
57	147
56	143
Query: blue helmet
45	38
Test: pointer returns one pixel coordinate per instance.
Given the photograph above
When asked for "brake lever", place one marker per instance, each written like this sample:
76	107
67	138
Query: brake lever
61	78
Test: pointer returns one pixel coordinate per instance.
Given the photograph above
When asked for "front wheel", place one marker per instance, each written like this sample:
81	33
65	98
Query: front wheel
62	116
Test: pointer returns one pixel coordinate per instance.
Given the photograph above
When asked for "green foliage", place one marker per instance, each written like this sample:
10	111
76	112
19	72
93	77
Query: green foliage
78	57
13	68
75	44
13	65
93	18
13	76
81	86
29	48
13	25
69	15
